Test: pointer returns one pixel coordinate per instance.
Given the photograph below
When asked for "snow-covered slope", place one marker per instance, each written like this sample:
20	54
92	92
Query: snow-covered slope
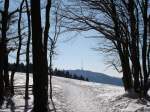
98	77
71	95
79	96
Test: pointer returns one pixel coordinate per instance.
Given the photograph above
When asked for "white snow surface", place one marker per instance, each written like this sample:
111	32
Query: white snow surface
71	95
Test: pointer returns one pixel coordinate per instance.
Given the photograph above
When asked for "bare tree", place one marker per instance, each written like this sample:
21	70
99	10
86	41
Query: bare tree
3	45
19	48
28	50
120	23
144	10
5	22
53	40
40	68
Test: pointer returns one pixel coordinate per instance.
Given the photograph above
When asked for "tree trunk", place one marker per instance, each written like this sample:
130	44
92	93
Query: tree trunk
47	25
50	71
134	46
144	48
19	49
127	77
124	58
148	53
28	51
46	34
6	73
1	83
40	68
1	73
123	51
3	48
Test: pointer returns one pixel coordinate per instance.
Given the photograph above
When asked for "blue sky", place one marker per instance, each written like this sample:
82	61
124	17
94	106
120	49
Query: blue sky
77	53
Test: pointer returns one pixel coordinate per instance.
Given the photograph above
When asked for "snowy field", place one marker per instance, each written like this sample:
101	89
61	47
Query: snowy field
77	96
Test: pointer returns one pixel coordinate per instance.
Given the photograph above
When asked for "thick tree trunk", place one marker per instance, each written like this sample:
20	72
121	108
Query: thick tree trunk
3	48
134	47
127	77
144	48
6	73
1	73
40	68
1	82
148	53
124	58
123	52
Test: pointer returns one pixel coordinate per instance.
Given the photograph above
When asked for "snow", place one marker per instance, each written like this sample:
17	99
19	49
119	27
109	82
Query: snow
71	95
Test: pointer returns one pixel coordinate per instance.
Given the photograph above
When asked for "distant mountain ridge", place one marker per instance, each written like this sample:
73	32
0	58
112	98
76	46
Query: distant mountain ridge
97	77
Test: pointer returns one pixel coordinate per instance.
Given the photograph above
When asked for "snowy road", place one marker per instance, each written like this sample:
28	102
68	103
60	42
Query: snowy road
77	96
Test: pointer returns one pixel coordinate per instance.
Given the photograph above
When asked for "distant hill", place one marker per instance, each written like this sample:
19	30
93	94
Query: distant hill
98	77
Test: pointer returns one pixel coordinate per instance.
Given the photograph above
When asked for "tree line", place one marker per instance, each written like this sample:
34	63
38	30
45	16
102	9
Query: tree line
60	73
66	74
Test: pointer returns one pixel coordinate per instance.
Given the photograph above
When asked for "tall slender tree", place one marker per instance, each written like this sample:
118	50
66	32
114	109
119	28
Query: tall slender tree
19	48
28	50
53	41
46	34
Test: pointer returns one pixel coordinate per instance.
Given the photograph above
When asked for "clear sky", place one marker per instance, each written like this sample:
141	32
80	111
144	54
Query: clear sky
77	53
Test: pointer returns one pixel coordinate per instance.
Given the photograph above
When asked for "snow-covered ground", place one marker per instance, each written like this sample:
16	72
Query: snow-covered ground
78	96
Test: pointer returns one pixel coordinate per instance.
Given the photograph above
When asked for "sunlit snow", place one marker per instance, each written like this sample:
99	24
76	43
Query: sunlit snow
71	95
